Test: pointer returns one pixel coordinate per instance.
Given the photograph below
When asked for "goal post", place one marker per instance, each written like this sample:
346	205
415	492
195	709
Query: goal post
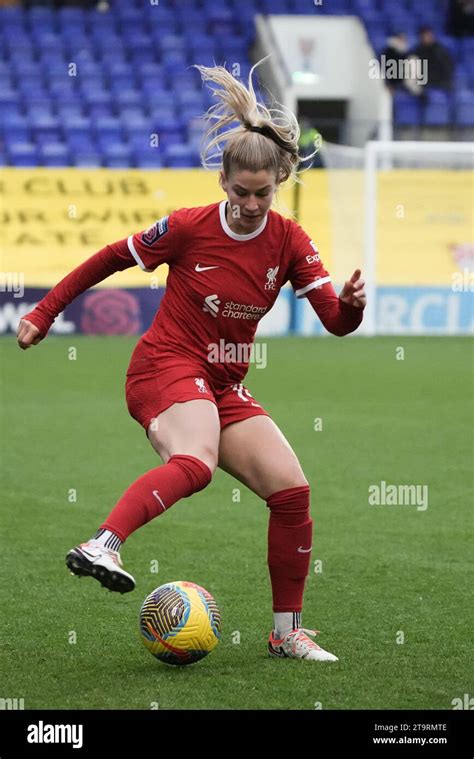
399	211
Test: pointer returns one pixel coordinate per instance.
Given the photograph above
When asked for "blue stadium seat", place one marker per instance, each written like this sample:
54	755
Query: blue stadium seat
170	138
147	160
222	22
279	6
65	110
211	5
461	77
151	71
134	71
97	97
202	42
55	154
9	98
157	97
171	42
379	42
116	151
109	57
157	30
10	110
75	126
42	109
437	111
80	143
116	69
181	156
133	115
189	5
16	128
27	84
451	43
87	159
109	41
139	139
100	111
13	14
48	41
464	108
22	54
118	162
44	125
118	84
162	112
71	13
188	114
188	96
407	109
301	6
86	82
109	128
174	63
202	57
22	154
128	98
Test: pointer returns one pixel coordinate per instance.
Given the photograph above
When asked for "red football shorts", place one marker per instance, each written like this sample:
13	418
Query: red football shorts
151	393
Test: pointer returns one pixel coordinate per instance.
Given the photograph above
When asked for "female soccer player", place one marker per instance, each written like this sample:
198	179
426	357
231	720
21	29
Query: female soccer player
227	263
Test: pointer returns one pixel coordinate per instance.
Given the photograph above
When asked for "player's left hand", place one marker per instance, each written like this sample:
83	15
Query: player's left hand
353	291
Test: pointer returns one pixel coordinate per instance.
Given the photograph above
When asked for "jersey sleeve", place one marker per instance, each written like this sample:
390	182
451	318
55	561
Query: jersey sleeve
306	268
161	243
310	279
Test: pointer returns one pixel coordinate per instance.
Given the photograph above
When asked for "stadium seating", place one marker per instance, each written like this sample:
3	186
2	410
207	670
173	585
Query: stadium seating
84	87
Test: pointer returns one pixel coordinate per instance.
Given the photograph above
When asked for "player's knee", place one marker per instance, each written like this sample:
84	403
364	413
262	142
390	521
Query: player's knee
197	471
291	505
291	479
208	455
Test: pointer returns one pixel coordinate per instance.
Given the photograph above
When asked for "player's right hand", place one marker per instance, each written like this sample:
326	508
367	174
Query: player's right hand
27	334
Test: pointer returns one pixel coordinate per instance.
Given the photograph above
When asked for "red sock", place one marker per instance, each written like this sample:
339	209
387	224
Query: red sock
156	491
290	532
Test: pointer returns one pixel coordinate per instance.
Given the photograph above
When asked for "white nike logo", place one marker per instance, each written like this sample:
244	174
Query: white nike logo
304	550
157	496
198	267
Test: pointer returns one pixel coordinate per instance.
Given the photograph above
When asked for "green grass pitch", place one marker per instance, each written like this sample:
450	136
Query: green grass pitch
391	599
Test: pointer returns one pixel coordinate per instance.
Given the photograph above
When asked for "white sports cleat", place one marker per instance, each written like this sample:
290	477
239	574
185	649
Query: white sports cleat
297	645
94	560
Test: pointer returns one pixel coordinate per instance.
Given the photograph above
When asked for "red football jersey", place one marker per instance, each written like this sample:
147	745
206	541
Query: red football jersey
220	283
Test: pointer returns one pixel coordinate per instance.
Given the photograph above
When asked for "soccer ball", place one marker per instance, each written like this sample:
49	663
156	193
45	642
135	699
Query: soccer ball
180	623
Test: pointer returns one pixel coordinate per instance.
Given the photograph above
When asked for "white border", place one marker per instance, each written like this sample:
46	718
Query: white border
234	235
317	283
134	253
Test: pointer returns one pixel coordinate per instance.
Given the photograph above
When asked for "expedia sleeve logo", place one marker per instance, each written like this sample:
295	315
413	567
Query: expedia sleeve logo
157	230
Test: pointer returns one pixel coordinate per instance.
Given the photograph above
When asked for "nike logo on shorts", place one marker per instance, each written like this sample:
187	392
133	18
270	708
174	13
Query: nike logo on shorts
198	267
304	550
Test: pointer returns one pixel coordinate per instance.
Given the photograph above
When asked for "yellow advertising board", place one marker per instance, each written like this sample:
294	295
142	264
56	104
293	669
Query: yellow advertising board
53	219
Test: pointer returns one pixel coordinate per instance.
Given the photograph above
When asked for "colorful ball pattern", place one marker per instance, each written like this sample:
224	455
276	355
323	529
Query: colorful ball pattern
180	623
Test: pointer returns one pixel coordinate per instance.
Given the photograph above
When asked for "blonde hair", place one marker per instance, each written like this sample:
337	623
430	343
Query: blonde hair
266	138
